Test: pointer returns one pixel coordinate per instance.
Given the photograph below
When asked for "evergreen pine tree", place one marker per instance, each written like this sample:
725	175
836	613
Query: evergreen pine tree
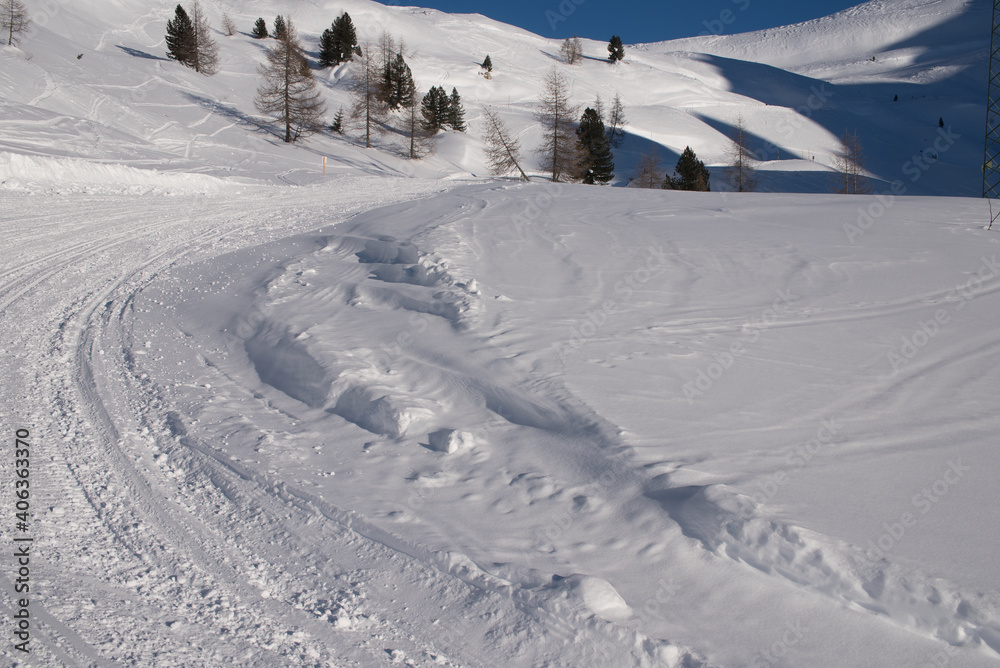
941	122
487	68
434	109
596	161
616	50
280	30
398	81
345	39
180	37
338	122
456	113
260	29
327	50
691	172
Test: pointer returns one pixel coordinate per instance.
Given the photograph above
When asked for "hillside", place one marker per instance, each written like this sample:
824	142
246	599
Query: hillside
123	102
404	414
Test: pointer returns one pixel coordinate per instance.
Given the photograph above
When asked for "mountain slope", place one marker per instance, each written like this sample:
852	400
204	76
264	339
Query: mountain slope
123	101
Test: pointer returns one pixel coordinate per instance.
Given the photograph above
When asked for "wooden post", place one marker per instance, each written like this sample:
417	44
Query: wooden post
324	165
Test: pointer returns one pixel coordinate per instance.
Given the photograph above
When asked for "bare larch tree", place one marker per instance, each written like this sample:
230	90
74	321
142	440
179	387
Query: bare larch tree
14	20
850	165
289	91
742	161
366	86
503	151
558	117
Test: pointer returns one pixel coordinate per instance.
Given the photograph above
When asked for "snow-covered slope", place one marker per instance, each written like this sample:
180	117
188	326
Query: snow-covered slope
523	425
391	417
798	89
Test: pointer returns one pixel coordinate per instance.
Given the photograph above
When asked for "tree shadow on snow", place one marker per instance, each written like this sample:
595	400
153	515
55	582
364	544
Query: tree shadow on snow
136	53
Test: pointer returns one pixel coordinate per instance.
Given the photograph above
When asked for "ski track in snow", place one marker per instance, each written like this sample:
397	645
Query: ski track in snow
155	533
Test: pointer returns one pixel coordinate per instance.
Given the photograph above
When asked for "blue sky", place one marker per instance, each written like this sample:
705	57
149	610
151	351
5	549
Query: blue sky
640	20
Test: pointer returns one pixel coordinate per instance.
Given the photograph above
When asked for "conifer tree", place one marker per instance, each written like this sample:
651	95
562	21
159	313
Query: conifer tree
456	113
596	163
397	82
289	91
435	109
487	67
691	172
345	40
14	20
260	29
180	37
279	27
503	151
338	122
329	55
616	50
557	116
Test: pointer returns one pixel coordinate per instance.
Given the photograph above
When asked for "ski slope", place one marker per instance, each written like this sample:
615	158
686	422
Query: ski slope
401	414
327	426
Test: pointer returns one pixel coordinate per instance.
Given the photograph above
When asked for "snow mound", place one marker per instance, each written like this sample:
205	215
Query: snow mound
597	595
19	171
450	440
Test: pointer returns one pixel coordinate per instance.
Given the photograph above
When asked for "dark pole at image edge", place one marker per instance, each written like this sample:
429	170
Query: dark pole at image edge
991	156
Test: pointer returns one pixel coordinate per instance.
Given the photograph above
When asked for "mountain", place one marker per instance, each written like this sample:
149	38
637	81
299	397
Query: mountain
92	82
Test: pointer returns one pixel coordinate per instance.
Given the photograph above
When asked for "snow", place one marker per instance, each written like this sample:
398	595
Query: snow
400	414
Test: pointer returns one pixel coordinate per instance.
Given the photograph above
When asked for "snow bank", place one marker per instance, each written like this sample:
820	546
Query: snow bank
18	171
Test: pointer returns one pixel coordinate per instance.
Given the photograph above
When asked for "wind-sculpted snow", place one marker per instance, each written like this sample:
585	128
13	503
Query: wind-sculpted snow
638	420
